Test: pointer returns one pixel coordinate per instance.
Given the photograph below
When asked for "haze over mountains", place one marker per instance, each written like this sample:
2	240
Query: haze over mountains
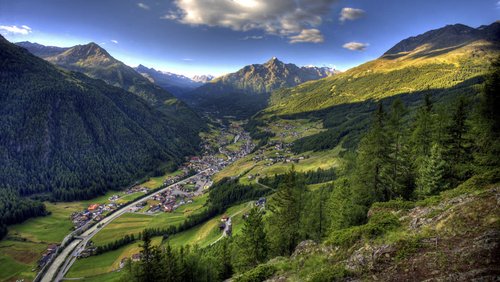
175	83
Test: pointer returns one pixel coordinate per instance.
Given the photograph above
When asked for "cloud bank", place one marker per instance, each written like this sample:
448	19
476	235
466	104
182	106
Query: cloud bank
350	14
355	46
296	20
12	29
143	6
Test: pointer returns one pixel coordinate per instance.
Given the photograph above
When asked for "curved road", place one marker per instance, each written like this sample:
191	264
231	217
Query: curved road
67	257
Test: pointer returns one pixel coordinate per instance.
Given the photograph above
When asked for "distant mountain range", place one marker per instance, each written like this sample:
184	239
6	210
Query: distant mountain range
175	83
68	136
40	50
96	62
247	90
203	78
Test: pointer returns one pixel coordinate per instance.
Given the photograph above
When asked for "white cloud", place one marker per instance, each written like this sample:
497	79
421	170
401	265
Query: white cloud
287	18
143	6
356	46
350	14
498	4
12	29
114	41
307	35
171	15
187	59
253	37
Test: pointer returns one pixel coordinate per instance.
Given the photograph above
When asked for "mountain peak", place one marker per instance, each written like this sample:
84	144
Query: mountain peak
273	61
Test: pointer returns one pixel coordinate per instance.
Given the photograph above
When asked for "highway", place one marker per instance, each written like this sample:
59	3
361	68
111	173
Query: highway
67	257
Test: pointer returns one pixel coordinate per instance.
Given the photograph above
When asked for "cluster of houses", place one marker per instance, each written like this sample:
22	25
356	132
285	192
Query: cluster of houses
51	250
92	212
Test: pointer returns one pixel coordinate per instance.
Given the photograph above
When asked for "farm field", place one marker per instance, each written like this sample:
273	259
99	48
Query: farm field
105	266
27	241
135	223
208	232
93	267
246	166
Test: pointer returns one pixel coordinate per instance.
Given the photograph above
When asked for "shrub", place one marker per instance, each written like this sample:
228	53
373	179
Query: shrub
259	273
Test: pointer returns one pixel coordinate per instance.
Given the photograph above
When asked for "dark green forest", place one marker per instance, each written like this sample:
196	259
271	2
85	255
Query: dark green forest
68	137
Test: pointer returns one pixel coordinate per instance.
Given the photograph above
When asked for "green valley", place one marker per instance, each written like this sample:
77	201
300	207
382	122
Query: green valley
112	171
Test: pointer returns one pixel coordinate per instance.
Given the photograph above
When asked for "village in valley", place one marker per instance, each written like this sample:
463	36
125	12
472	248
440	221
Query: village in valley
192	179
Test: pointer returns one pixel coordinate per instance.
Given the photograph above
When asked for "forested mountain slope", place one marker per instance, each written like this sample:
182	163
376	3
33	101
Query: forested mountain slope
436	60
97	63
74	137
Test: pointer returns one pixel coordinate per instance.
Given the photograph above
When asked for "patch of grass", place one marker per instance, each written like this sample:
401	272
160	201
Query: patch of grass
106	262
49	229
134	223
257	274
106	277
208	232
378	225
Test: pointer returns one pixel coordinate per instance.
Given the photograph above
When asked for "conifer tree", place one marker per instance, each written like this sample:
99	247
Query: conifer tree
284	222
430	175
399	176
373	164
253	244
422	135
487	123
458	146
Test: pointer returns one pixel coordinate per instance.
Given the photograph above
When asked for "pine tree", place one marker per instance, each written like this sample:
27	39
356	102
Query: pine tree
284	222
253	246
430	175
315	217
342	209
170	267
399	177
487	123
458	146
422	135
226	267
147	259
373	164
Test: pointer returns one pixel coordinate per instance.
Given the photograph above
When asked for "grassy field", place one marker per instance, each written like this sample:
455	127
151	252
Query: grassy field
155	182
208	232
246	166
26	242
105	266
134	223
95	266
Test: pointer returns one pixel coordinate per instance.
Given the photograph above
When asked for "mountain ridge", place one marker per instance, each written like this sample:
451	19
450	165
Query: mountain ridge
246	91
73	136
413	67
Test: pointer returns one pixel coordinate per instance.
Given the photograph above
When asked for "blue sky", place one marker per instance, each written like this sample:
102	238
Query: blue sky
220	36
